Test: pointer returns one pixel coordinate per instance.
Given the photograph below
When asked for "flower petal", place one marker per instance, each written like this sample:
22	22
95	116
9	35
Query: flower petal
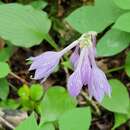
75	83
75	57
44	64
39	61
85	68
98	84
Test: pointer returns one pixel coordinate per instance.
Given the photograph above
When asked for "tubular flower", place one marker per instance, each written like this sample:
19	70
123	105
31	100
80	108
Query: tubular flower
75	56
86	72
45	63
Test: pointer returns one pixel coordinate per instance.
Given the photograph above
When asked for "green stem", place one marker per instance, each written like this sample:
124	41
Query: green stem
115	69
52	42
93	103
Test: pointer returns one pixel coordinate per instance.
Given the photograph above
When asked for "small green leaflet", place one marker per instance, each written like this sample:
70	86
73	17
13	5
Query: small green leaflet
23	25
4	69
4	88
5	53
36	92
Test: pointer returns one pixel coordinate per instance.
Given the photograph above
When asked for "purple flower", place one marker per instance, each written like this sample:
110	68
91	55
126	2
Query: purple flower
75	56
86	72
98	85
75	83
44	64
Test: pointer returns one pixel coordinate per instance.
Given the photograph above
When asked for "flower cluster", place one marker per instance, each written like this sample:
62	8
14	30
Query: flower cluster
86	72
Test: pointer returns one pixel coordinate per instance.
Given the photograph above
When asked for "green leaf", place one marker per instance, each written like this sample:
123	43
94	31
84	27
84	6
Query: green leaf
24	92
28	25
123	22
9	104
127	64
123	4
6	53
4	69
39	4
4	88
121	118
76	119
119	101
46	126
36	92
94	18
28	124
55	102
113	42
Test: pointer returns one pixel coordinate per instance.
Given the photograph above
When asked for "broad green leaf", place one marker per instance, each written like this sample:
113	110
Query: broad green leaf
23	25
123	22
47	126
4	88
94	18
127	64
28	124
36	92
121	118
119	100
55	102
39	4
123	4
76	119
6	53
113	42
4	69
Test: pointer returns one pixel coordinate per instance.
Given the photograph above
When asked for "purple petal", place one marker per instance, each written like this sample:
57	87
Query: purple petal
98	85
45	70
75	57
39	61
75	83
44	64
85	68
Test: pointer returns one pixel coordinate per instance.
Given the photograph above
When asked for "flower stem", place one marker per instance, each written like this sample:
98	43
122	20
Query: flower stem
93	103
19	78
115	69
72	45
52	42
